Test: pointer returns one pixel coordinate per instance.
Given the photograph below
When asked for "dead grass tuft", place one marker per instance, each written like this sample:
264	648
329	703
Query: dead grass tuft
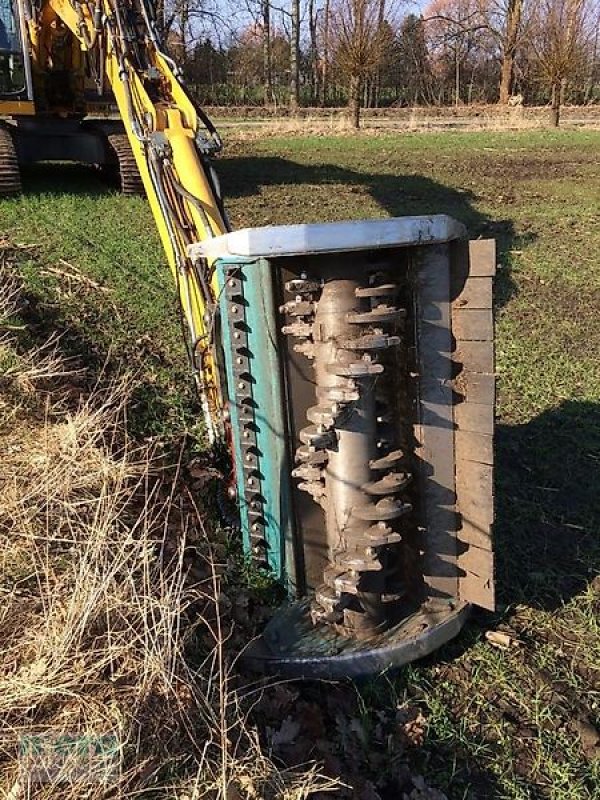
115	674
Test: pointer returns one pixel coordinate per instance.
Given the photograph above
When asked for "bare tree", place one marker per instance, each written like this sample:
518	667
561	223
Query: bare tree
505	21
511	37
455	31
313	51
355	30
326	51
295	55
561	35
265	7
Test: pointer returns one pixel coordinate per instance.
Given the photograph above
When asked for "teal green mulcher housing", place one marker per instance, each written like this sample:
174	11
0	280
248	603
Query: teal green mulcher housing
360	379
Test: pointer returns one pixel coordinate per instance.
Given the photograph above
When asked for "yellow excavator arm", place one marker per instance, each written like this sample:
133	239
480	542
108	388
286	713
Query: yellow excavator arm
171	141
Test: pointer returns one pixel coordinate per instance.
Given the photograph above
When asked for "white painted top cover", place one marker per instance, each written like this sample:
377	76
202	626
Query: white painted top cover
330	237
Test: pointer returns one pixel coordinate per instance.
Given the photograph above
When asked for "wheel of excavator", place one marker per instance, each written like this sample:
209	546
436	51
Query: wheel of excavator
10	174
130	180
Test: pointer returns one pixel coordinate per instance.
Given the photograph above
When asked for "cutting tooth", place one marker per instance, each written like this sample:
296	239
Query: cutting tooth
326	415
347	582
380	535
376	316
306	348
319	439
298	307
327	597
390	484
307	472
303	286
309	455
383	290
371	341
381	511
299	329
359	561
314	488
358	369
319	614
348	393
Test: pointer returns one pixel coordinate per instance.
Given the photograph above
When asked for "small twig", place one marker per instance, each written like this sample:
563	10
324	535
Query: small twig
72	273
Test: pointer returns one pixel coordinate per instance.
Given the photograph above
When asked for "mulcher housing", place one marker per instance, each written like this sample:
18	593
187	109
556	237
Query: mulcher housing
360	373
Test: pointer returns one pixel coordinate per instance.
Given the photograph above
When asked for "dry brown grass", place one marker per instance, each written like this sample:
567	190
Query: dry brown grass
111	617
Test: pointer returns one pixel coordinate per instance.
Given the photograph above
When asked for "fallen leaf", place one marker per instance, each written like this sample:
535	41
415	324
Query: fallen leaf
502	640
287	733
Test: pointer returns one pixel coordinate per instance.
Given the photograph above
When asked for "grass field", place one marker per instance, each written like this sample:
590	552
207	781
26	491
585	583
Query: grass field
522	723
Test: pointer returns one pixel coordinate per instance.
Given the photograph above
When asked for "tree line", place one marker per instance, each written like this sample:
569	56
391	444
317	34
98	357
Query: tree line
368	54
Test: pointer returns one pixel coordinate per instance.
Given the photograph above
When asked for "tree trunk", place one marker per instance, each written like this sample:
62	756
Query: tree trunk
295	55
563	91
161	18
354	100
267	67
325	72
555	107
506	78
511	40
314	62
456	76
377	79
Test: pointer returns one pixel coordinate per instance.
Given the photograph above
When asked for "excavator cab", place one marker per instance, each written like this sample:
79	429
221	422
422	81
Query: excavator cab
55	104
14	58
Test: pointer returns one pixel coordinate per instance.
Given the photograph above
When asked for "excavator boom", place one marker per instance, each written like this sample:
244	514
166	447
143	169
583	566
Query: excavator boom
171	141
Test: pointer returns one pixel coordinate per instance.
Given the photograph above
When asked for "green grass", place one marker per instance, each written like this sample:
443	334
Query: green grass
126	319
500	724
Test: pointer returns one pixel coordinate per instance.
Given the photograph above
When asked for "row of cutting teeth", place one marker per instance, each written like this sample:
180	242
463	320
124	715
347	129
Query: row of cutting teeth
369	520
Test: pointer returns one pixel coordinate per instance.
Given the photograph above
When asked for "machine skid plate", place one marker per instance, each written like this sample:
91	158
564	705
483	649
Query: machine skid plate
294	647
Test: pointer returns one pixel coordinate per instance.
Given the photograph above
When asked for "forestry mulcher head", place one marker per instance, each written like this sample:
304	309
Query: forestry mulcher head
359	360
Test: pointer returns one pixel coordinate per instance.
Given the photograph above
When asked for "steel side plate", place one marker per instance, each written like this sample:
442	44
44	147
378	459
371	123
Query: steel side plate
292	646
